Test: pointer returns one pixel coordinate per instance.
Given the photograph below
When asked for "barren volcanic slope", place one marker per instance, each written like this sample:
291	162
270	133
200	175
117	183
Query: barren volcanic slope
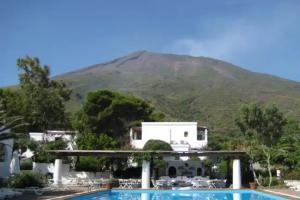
187	88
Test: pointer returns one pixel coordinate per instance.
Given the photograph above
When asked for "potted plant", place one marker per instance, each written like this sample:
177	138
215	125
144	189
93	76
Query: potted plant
253	185
109	183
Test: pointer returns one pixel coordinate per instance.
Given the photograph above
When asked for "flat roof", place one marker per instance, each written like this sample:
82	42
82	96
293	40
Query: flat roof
126	153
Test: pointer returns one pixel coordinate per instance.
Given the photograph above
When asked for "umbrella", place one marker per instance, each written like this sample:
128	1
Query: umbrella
15	163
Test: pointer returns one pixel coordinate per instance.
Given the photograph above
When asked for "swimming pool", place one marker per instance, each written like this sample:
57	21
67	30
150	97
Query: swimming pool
178	195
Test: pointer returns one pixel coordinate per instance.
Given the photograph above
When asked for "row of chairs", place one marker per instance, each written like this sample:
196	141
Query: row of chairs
130	183
293	184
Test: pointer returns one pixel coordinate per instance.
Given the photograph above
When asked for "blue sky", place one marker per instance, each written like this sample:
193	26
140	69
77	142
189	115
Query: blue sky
262	36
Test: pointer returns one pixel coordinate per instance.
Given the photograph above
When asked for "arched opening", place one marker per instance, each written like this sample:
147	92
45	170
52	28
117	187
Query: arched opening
199	171
172	171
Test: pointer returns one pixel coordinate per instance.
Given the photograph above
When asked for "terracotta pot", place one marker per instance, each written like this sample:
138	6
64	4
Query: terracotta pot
108	185
253	185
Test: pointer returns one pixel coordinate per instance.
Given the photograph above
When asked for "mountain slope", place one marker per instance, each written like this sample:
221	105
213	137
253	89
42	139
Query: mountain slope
187	88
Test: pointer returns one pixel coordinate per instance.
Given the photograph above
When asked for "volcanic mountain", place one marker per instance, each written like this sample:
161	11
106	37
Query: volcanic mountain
186	88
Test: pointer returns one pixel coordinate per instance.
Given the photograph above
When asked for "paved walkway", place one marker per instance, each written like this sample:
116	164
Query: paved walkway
287	193
56	195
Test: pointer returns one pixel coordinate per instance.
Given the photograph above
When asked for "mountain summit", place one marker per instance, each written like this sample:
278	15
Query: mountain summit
187	88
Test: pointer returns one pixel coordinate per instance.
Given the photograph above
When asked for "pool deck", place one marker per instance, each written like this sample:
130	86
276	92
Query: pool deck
287	193
60	195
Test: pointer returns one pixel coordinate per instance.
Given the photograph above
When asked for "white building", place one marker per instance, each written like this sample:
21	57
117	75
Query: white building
48	136
182	136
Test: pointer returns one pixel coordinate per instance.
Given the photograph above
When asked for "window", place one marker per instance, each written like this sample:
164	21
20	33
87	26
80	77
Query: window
186	134
200	134
137	135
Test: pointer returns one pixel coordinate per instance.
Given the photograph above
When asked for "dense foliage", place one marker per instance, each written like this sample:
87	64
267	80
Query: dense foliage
39	102
90	141
262	129
42	156
157	161
112	113
157	145
42	98
26	179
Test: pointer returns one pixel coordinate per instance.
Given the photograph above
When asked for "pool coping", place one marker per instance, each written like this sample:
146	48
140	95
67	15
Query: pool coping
280	194
266	192
64	197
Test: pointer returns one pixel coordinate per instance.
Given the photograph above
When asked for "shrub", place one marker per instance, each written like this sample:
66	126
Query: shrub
275	181
292	175
157	145
26	164
89	164
26	179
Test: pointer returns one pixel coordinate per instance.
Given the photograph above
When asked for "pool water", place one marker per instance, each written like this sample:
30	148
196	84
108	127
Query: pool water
178	195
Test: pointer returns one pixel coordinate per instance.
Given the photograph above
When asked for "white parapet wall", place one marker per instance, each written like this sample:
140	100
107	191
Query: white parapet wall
66	173
46	168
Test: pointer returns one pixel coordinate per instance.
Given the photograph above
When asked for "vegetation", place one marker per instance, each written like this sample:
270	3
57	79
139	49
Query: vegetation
184	88
90	141
112	113
42	156
156	145
39	102
262	129
157	161
26	179
42	98
207	90
26	164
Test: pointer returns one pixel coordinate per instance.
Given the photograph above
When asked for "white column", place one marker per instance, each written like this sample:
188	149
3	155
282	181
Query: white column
57	171
146	175
236	174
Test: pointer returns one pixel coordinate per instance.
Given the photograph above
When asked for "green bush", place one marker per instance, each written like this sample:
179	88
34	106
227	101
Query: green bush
292	175
275	181
42	156
26	164
89	164
156	145
26	179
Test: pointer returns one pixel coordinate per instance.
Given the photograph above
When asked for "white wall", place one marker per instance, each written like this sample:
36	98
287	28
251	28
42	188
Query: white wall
36	136
172	133
187	168
46	168
5	165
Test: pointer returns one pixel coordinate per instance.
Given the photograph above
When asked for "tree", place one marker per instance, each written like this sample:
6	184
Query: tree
288	154
42	98
112	113
40	152
263	128
157	161
9	111
90	141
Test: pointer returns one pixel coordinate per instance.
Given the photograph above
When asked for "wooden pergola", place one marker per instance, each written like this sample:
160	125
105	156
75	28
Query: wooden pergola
235	155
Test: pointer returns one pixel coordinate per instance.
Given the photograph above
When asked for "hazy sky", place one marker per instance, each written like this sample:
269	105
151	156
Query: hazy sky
262	36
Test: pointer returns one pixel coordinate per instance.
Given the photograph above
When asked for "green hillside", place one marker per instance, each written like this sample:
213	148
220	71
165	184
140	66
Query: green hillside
186	88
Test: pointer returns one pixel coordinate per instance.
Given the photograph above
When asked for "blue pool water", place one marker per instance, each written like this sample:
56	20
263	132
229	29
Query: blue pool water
178	195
